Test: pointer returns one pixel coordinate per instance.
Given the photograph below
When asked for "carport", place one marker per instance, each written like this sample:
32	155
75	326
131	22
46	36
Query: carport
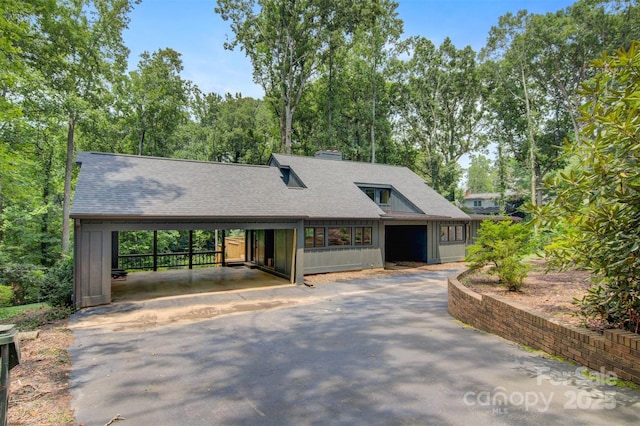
94	250
147	285
117	193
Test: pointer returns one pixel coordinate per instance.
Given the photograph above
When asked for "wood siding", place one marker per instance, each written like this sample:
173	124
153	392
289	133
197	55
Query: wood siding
92	280
344	258
451	251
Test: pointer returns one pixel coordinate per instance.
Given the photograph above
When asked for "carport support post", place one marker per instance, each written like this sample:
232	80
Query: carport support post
293	256
299	247
114	250
155	251
224	257
190	249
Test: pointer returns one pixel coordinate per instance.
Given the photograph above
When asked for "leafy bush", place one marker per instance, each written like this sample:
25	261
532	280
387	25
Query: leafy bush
598	200
6	296
57	288
502	244
25	280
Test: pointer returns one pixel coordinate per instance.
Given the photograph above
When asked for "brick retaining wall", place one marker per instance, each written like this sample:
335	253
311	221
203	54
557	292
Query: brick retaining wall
615	351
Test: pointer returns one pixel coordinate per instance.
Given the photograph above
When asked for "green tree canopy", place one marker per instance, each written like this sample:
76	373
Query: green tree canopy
598	200
438	104
480	175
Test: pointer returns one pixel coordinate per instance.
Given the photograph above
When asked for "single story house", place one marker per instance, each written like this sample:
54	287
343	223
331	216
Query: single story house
301	215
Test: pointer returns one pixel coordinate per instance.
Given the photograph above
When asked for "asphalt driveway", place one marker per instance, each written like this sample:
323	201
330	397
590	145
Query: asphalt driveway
379	351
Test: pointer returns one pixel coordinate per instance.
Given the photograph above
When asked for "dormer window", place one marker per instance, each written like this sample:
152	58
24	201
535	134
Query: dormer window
380	196
371	193
290	178
385	196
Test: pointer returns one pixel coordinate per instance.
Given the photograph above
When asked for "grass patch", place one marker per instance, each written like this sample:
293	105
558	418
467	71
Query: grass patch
15	311
624	384
545	354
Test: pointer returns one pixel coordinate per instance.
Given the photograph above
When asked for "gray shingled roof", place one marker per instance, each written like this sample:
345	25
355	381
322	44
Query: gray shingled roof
112	185
122	185
333	178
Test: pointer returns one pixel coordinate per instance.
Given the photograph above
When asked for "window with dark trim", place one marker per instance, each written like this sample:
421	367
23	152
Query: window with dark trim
385	194
339	236
444	234
477	203
451	233
313	237
319	237
371	193
362	236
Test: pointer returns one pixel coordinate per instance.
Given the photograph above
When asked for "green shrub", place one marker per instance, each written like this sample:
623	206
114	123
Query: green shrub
502	244
25	280
6	296
598	199
57	288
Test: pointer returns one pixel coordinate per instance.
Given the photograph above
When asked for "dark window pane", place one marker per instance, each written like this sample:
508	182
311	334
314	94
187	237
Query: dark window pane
371	193
357	236
366	237
339	236
384	196
319	237
308	237
444	233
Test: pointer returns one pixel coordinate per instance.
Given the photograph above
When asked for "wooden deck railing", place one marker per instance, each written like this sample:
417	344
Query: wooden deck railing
149	262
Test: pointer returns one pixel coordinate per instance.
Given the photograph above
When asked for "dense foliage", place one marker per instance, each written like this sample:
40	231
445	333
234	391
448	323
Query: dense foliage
502	245
598	199
337	74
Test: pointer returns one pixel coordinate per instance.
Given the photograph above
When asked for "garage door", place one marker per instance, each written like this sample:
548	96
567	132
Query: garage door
406	243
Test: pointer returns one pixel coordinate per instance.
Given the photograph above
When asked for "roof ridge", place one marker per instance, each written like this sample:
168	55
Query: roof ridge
185	160
341	161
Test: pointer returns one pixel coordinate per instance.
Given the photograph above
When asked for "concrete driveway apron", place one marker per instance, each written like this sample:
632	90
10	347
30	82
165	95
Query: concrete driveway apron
379	351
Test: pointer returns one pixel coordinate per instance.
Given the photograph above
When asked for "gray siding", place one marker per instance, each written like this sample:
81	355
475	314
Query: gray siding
275	255
344	258
452	251
283	251
92	278
399	203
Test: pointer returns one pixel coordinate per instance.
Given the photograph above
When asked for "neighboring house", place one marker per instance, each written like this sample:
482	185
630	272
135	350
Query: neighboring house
487	203
301	215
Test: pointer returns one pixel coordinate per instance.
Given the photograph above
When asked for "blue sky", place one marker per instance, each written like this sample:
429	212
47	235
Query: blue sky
192	28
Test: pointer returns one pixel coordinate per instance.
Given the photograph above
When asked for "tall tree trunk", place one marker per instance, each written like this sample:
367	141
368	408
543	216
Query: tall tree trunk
283	129
141	141
502	185
331	96
288	115
47	165
530	136
66	204
373	125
